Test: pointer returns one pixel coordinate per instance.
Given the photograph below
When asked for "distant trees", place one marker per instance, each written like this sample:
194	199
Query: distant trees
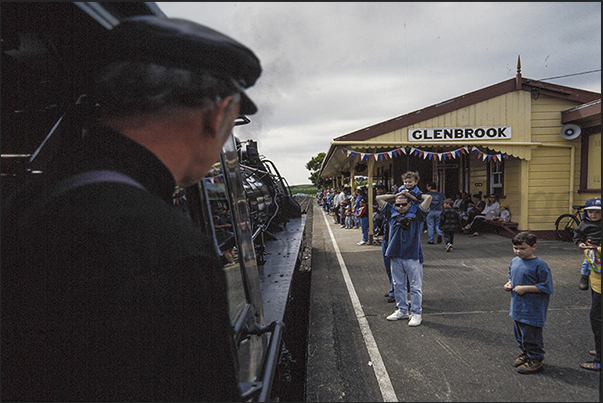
314	167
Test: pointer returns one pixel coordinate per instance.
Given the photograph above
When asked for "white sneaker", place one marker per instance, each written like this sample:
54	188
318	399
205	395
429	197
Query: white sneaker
415	320
448	247
362	243
397	315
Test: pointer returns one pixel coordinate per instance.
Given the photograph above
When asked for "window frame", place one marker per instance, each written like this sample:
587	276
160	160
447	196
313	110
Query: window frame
499	187
584	162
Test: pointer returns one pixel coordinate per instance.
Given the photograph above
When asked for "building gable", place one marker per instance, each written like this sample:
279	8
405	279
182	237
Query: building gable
534	87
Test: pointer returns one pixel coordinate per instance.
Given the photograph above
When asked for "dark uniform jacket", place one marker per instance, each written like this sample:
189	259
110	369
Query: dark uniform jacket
588	229
109	293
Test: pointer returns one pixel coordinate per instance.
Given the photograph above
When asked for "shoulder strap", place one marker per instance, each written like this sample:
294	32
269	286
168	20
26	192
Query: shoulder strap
86	178
14	211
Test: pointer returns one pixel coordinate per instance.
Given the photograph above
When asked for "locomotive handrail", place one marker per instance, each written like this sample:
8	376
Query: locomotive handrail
240	332
271	360
278	175
264	387
258	170
257	232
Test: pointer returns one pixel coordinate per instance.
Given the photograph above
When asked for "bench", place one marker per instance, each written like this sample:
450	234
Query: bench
509	228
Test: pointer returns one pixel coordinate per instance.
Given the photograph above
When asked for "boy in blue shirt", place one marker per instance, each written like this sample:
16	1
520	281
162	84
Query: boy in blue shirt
531	285
410	180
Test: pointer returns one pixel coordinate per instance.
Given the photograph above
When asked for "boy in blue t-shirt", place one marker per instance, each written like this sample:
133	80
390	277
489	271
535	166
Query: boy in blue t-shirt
531	285
410	181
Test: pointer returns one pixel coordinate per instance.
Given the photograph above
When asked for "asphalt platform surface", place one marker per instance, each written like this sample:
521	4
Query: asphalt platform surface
464	349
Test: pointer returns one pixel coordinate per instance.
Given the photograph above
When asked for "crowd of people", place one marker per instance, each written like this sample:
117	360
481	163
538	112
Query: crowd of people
463	215
403	214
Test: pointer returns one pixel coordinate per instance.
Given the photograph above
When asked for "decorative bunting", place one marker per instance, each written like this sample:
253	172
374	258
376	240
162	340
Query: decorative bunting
425	154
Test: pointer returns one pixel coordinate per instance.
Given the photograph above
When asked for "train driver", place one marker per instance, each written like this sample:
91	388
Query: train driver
109	293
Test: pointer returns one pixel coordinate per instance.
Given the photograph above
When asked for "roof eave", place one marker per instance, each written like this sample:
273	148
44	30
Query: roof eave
468	99
581	112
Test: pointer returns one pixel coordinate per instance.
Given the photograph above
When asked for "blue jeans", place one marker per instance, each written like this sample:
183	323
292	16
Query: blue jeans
585	270
364	224
529	339
388	269
403	269
449	237
433	224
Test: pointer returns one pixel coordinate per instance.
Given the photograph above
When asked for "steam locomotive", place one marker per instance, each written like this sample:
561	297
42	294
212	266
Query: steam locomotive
243	202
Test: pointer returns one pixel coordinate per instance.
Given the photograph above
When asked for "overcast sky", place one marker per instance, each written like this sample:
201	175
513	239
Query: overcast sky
330	69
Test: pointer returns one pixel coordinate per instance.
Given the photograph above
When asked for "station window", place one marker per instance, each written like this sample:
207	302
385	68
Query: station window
590	173
496	169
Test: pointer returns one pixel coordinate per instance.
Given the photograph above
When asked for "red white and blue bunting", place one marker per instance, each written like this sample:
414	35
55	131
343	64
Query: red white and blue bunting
413	151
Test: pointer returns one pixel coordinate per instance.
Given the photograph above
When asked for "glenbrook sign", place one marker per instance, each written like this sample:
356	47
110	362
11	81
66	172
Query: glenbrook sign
460	133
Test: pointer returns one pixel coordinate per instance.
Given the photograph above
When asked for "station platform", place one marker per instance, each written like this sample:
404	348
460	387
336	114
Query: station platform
464	349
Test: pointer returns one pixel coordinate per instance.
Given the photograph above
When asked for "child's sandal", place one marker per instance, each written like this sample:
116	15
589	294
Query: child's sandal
591	366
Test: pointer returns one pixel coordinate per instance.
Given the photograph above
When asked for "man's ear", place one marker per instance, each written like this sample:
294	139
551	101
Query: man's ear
220	114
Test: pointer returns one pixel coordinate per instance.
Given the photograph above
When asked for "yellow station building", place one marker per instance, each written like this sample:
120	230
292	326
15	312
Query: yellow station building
534	144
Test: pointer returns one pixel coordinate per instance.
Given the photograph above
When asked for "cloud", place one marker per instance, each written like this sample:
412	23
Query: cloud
333	68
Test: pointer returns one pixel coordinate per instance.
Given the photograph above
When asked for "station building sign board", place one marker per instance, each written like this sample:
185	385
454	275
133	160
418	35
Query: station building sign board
482	133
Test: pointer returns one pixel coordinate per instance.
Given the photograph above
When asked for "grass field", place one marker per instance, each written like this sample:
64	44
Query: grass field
310	190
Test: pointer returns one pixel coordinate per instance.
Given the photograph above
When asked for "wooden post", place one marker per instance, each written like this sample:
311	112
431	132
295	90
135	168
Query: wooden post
369	201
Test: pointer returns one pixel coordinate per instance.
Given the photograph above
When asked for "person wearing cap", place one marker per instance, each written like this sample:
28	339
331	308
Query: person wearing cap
587	236
108	292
